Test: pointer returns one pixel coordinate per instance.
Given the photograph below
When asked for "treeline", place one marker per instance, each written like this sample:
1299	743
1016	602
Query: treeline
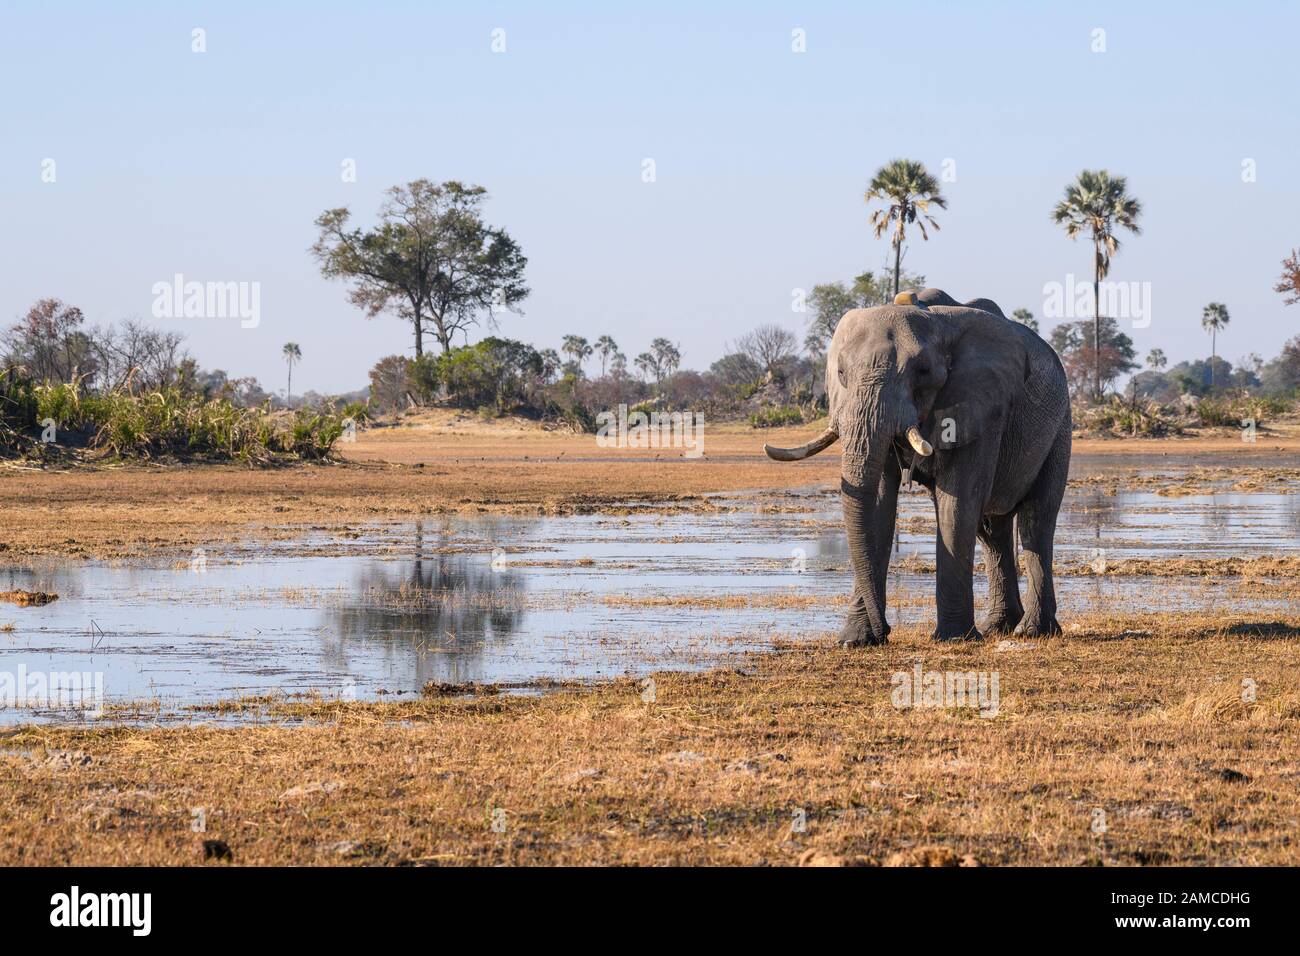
131	390
769	377
1277	378
499	376
53	343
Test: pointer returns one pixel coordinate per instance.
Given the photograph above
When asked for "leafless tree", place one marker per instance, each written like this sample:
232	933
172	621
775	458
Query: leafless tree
770	347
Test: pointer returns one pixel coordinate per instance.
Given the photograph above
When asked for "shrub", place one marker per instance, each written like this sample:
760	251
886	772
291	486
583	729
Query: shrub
1229	411
18	408
500	373
776	416
568	409
390	382
171	422
1140	418
311	436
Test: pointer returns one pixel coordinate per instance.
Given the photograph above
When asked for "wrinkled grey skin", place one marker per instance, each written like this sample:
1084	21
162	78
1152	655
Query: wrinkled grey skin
991	398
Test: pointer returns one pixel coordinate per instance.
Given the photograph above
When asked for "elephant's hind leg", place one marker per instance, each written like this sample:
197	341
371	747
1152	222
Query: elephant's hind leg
1004	609
1036	522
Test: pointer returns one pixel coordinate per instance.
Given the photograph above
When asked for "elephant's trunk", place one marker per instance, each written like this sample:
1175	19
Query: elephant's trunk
882	413
868	526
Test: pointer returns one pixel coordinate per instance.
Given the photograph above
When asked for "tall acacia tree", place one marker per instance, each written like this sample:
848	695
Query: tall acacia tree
292	353
431	260
1098	203
1214	319
908	191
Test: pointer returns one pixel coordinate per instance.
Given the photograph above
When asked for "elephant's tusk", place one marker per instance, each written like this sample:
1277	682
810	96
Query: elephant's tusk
919	444
820	443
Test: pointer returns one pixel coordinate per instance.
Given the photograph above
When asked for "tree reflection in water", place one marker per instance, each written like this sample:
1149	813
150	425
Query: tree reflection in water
432	602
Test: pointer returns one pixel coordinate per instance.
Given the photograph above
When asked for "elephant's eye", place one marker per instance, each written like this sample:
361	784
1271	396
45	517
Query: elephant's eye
844	378
923	370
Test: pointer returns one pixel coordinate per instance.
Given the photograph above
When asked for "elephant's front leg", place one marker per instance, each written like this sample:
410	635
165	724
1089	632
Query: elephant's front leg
958	518
869	516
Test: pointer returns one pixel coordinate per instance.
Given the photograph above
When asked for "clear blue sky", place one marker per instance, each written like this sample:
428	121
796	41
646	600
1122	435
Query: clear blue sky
214	165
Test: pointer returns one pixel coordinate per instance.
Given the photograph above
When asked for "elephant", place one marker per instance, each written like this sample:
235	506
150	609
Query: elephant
974	407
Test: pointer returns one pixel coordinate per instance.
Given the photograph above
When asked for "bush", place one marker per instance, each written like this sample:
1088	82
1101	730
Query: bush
170	422
311	436
500	373
1229	411
425	376
569	410
1215	412
18	409
776	416
390	383
1129	418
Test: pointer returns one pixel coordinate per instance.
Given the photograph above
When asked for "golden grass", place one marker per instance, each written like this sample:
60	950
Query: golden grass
1181	730
1267	566
28	598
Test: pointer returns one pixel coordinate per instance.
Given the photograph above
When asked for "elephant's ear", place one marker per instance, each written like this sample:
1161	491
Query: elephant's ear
956	425
1043	387
987	366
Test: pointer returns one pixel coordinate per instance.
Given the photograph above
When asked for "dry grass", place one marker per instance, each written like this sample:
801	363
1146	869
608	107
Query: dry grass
28	598
1142	718
1270	566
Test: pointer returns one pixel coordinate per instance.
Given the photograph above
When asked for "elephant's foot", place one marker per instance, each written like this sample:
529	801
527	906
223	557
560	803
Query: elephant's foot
1000	621
971	633
1038	626
858	632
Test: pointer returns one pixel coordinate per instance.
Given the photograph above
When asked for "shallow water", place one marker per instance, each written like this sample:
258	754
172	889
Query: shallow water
522	600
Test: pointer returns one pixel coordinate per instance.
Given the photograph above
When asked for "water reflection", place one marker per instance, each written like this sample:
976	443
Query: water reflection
444	596
576	597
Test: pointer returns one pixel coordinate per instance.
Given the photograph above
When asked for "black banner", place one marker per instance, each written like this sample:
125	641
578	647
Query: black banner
257	906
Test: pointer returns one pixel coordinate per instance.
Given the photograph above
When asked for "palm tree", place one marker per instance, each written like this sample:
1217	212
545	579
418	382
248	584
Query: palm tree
550	363
291	354
606	346
645	364
908	191
1213	318
667	356
1156	359
576	346
1098	202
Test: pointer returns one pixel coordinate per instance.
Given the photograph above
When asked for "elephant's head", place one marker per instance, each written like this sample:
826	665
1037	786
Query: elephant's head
884	368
